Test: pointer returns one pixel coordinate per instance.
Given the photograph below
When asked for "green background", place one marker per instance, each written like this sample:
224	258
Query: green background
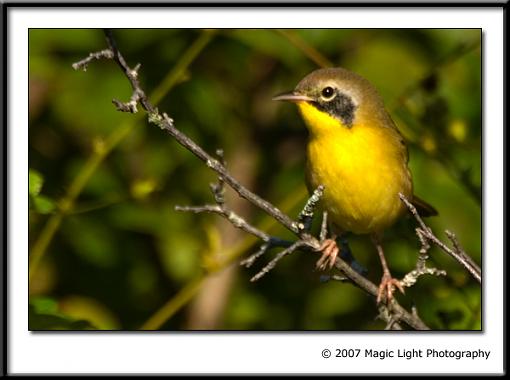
114	254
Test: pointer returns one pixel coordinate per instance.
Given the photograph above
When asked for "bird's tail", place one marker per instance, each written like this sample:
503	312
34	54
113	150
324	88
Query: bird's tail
424	209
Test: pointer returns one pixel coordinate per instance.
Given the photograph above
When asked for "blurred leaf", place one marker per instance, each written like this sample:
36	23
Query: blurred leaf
85	308
180	256
141	189
44	305
43	314
45	278
44	205
35	182
458	130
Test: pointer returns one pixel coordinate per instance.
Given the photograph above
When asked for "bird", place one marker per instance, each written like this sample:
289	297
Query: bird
357	153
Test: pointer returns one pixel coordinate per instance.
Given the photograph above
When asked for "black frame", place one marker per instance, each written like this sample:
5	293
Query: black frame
4	109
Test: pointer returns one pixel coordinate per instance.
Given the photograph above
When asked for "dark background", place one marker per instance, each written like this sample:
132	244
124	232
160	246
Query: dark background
103	185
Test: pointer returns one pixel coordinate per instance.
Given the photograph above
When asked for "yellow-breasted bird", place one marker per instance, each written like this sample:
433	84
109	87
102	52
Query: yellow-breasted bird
356	151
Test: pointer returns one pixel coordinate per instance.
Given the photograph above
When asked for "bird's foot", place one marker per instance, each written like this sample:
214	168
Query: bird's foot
387	287
329	250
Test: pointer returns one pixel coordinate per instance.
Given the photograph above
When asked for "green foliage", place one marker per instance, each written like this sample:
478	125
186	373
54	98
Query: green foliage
35	182
43	314
38	202
121	251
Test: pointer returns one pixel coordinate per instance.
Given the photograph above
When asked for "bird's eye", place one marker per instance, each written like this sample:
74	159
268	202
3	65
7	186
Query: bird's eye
328	93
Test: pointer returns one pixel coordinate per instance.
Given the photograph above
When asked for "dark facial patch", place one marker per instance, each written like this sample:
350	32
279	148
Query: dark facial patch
340	107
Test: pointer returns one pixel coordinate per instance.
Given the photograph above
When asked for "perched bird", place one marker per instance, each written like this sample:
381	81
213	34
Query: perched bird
356	151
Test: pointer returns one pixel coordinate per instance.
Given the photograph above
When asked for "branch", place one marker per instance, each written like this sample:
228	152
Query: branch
83	64
426	235
218	190
393	312
421	267
298	244
228	214
306	215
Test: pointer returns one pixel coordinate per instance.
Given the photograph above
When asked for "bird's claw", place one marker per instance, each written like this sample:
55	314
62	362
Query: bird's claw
386	288
329	250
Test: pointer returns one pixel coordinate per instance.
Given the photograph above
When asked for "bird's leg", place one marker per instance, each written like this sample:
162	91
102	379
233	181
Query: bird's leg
329	250
387	282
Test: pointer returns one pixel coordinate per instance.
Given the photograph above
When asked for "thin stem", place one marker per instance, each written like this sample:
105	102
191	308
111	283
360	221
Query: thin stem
278	257
228	214
83	64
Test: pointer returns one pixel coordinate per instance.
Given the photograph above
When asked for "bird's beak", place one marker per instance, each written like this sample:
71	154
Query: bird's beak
292	97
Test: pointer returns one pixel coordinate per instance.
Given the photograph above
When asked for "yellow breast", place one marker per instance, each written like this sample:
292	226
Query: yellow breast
363	169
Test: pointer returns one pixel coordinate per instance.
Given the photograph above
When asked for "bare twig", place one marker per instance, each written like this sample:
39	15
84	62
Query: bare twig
277	258
231	216
390	318
425	234
461	252
273	242
248	262
421	264
392	324
306	215
218	189
421	267
83	64
165	123
128	106
220	208
305	239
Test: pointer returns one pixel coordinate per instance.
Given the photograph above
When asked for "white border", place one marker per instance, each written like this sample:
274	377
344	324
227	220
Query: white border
247	353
